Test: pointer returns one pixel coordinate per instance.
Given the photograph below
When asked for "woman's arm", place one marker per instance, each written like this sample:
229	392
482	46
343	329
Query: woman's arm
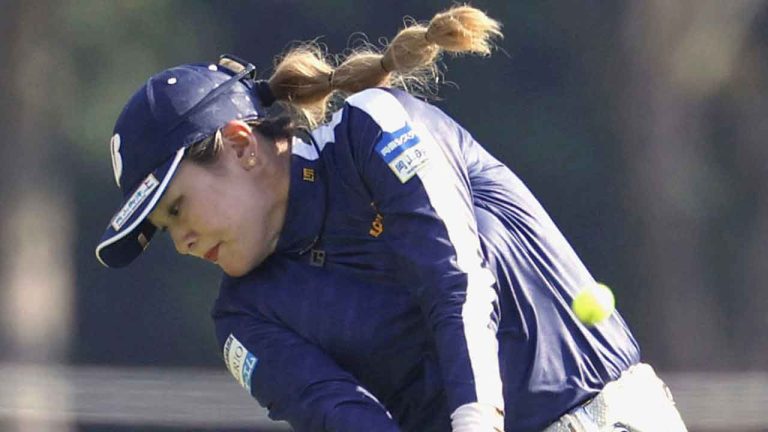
295	380
420	189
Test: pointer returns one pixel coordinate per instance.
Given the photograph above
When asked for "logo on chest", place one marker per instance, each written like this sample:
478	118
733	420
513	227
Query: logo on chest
377	226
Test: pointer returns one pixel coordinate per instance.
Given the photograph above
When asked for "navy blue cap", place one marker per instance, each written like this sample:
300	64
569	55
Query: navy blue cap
176	108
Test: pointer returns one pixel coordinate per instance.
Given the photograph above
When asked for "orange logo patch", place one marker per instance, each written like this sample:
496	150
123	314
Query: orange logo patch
377	226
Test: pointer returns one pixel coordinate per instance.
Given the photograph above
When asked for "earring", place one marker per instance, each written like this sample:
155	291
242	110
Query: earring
252	160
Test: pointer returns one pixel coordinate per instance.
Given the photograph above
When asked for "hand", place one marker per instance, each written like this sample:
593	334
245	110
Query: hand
477	417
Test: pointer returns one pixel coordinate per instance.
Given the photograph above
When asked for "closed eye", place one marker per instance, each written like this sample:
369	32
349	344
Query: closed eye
173	212
175	208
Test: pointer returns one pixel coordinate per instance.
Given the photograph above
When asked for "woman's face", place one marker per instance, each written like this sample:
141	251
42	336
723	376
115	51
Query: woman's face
229	212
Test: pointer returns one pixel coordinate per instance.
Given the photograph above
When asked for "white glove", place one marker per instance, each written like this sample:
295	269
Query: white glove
477	417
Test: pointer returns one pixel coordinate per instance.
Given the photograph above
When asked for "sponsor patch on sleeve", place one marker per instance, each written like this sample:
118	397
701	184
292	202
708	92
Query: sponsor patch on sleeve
403	152
240	361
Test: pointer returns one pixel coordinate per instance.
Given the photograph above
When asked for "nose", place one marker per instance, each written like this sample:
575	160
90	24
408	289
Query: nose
184	240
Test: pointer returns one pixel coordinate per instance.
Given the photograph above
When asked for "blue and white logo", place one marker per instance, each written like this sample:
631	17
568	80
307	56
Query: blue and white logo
139	196
240	361
403	152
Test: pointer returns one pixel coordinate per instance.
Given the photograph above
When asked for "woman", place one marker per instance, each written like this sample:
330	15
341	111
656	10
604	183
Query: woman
383	272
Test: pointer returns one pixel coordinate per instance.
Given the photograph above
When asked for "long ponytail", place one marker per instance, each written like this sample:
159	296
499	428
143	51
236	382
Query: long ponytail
305	77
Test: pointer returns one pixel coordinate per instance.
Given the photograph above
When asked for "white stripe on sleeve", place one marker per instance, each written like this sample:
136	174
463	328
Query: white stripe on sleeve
444	190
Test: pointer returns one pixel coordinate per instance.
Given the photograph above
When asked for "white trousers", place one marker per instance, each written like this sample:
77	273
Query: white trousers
638	401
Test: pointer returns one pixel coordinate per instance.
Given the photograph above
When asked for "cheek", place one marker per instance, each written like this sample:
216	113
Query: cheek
250	238
243	255
254	234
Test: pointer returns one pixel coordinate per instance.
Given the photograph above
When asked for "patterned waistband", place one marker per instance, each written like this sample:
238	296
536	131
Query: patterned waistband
637	388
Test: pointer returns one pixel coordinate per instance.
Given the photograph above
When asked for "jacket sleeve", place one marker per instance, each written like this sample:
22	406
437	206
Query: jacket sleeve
295	380
418	183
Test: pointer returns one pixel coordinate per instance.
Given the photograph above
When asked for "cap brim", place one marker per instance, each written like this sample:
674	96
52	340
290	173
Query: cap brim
128	232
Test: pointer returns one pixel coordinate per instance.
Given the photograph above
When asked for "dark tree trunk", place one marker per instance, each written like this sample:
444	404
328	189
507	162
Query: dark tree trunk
678	54
36	215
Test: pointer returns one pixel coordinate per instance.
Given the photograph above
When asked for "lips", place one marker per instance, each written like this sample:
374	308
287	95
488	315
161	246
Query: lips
212	254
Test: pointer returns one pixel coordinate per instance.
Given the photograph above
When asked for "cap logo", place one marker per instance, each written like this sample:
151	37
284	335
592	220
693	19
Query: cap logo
117	160
143	192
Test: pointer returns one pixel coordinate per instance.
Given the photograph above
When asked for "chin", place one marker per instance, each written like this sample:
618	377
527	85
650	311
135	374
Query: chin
239	269
233	271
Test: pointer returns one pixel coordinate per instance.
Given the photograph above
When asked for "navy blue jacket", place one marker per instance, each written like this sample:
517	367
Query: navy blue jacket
415	274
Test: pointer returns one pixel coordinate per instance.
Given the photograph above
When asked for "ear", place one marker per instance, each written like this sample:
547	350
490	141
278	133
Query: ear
237	135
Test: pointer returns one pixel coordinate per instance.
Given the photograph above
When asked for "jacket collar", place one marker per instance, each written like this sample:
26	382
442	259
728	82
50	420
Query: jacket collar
305	215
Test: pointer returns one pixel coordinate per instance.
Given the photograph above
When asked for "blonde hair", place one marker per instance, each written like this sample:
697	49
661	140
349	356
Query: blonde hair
305	78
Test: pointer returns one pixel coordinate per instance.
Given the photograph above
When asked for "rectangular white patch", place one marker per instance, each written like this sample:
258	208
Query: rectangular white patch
240	361
409	163
142	193
403	152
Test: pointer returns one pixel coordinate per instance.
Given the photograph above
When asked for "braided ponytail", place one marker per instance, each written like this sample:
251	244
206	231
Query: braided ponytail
305	78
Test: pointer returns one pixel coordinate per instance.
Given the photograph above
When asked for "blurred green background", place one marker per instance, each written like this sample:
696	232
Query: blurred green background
639	124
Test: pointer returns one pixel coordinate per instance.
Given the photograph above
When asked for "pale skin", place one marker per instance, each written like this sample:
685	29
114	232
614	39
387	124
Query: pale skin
230	211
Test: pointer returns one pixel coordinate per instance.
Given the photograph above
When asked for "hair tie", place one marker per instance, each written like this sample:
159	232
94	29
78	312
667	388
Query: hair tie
426	37
384	67
330	79
264	93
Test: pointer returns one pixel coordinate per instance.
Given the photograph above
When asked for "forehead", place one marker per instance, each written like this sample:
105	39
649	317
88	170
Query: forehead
189	175
190	179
